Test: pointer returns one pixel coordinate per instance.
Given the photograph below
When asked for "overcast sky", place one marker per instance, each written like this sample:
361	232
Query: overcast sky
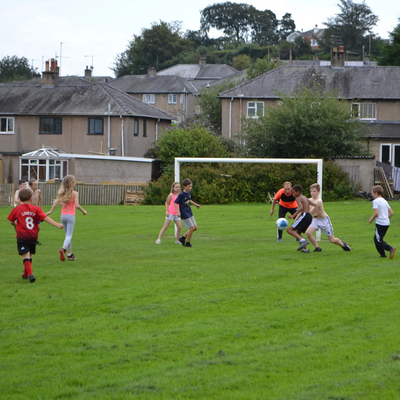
94	32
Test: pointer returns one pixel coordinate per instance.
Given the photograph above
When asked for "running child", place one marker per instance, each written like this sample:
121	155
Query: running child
36	197
382	213
302	218
287	204
321	221
21	185
185	212
171	213
70	200
28	217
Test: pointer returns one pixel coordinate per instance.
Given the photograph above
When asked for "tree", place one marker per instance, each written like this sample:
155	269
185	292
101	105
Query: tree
189	141
311	124
234	19
154	47
351	24
261	66
15	69
287	26
391	52
264	28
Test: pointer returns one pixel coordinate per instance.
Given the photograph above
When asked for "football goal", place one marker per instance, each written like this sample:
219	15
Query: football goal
319	163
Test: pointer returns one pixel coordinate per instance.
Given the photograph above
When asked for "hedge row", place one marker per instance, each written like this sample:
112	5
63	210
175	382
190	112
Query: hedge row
230	183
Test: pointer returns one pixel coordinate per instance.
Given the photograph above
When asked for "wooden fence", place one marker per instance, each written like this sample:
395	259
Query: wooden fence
6	194
89	194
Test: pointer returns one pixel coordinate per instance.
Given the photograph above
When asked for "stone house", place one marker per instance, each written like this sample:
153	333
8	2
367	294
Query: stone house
76	116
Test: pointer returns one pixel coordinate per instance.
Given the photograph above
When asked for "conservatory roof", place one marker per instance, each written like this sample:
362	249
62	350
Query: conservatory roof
44	152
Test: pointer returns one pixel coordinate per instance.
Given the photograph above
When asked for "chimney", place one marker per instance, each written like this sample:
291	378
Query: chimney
50	74
202	61
367	58
151	71
315	29
88	72
337	60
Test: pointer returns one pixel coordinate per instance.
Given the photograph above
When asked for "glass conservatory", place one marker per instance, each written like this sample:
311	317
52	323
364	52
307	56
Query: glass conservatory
43	165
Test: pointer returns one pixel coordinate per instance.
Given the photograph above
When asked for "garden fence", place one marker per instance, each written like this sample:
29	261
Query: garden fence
89	193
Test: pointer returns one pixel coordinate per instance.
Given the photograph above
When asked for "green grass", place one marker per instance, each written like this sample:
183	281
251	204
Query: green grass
238	316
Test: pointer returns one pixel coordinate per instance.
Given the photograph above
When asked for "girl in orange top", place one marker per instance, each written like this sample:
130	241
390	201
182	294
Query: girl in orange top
70	200
171	213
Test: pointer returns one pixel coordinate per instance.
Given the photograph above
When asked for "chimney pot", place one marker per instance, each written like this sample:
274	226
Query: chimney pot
341	48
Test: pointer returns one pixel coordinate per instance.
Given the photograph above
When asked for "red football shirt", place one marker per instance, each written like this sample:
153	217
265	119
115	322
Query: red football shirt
27	216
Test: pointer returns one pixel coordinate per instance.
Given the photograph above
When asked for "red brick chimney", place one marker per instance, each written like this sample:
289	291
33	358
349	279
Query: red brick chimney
51	73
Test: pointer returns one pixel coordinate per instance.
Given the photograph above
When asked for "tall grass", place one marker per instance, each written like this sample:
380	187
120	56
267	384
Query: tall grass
238	316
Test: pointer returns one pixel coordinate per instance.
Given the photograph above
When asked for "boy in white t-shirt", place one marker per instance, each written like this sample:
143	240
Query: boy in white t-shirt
382	214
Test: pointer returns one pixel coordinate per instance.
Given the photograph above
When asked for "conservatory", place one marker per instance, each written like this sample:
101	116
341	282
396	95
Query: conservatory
43	165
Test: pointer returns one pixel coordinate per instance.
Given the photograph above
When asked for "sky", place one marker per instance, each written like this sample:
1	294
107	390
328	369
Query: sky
93	32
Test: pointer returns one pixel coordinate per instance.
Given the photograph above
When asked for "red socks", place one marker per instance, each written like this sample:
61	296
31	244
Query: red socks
27	267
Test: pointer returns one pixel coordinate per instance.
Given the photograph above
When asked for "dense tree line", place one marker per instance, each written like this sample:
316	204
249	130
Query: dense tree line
247	34
13	68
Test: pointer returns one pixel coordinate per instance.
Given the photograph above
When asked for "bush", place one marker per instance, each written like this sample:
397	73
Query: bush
232	183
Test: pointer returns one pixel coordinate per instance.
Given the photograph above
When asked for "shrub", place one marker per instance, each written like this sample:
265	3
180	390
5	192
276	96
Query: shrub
231	183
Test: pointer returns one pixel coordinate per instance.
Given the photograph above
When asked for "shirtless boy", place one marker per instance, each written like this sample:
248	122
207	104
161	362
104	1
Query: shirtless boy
37	193
302	217
321	221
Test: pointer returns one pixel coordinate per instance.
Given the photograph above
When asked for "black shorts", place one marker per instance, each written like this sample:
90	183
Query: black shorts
302	223
26	247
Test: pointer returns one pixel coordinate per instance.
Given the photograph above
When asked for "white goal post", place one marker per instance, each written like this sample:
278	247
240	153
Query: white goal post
319	162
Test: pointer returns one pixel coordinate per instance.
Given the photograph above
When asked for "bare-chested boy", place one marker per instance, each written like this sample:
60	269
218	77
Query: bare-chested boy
321	221
302	217
37	193
36	198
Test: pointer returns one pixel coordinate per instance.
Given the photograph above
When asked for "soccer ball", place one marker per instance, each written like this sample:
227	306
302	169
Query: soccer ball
282	224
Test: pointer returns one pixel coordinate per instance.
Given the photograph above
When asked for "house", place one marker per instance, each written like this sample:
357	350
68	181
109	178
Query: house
175	90
312	36
74	116
373	94
170	93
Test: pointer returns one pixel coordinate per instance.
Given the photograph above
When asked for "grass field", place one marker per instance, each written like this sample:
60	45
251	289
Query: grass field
238	316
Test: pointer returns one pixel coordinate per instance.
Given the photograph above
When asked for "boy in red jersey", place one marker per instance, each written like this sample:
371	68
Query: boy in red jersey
28	216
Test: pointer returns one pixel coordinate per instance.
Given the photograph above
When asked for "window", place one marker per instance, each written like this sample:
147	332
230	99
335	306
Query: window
43	170
50	125
144	128
364	110
314	43
96	126
149	98
6	125
385	154
136	127
255	109
390	154
172	98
